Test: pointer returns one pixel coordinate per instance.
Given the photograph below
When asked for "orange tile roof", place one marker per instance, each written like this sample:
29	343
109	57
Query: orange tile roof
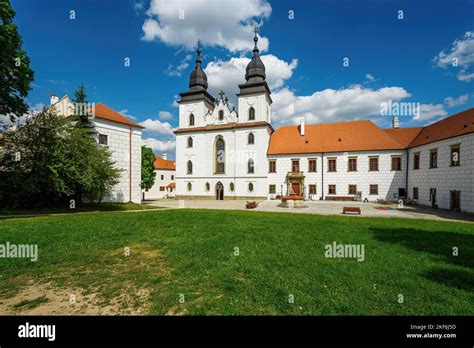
104	112
459	124
403	135
171	185
161	163
331	137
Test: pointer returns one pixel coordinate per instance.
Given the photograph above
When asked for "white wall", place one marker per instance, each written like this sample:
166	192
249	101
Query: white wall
199	109
444	178
168	177
119	146
237	154
259	102
388	181
121	138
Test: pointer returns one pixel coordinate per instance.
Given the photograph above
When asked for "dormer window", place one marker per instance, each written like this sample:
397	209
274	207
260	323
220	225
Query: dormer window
251	114
221	115
191	120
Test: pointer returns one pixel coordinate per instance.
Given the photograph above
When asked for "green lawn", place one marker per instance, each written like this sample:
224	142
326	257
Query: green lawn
191	252
85	207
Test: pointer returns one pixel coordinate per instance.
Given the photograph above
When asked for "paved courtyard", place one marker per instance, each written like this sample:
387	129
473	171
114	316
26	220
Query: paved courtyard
321	207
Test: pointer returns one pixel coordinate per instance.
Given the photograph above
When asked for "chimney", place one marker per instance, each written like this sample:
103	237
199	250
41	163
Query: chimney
395	122
302	126
165	156
54	99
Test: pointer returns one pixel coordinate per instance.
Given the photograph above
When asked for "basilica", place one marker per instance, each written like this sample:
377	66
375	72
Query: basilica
229	153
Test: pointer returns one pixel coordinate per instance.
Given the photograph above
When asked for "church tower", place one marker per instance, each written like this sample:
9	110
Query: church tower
254	97
196	102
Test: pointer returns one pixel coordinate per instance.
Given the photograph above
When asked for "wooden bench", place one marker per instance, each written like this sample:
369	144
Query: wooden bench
351	210
339	198
251	205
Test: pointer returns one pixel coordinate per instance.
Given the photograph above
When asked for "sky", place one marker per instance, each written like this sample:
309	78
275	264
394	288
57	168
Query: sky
326	61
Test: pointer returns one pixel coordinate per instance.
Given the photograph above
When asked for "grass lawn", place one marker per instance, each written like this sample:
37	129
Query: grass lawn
85	207
192	253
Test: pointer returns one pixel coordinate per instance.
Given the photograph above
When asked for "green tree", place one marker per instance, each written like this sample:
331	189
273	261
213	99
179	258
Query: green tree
48	161
85	166
15	73
27	178
82	111
148	169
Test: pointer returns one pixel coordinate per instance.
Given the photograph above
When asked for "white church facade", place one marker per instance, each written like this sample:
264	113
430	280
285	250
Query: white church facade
224	153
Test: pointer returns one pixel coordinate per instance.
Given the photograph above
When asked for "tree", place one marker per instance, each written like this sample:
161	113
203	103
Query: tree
27	178
87	165
15	73
148	169
82	111
47	161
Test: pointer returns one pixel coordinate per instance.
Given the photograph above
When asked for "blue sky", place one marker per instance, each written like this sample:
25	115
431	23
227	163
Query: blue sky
408	60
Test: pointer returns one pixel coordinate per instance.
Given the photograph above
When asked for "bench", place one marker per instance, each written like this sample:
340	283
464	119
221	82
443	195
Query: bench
339	198
351	210
251	205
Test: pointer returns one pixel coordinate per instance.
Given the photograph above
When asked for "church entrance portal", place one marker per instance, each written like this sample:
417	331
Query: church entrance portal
219	191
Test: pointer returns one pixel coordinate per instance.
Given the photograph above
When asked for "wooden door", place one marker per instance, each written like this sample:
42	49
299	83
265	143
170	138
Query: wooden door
456	200
296	188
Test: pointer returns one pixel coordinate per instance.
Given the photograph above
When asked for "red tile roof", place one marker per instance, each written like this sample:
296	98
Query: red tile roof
104	112
403	135
161	163
331	137
365	136
459	124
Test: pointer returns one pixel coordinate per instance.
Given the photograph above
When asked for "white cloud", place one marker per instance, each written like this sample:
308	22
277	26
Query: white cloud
157	127
329	105
125	113
173	70
369	78
453	102
430	111
461	56
6	123
217	23
165	115
462	76
227	75
159	145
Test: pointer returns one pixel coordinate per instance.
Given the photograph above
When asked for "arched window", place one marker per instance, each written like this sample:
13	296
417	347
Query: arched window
190	167
190	142
251	114
250	166
231	187
219	155
221	115
191	120
250	187
190	186
251	138
208	187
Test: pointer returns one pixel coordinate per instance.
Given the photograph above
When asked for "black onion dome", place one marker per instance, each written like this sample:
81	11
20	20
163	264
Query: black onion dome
198	77
255	68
